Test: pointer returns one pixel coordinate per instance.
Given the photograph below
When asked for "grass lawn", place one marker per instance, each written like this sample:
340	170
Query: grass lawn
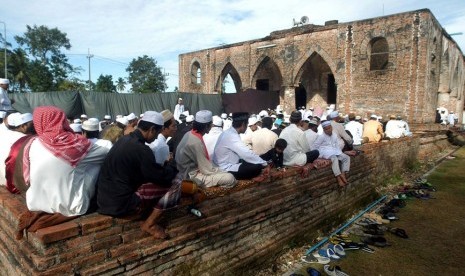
436	228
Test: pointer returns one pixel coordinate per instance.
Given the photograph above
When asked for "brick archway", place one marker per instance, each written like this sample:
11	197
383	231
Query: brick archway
231	70
267	74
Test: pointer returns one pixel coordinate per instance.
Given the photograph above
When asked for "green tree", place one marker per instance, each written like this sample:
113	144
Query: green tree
105	84
145	76
44	45
41	78
18	67
73	84
120	84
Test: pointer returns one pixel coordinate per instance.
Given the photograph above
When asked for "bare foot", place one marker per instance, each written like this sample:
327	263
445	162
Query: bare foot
155	230
340	181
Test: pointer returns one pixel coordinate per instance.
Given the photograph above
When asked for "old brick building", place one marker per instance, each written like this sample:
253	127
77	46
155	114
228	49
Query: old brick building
403	64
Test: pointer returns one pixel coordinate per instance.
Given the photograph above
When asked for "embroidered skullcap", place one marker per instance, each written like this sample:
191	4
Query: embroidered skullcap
334	114
203	116
313	122
76	127
20	119
4	81
325	123
167	115
152	117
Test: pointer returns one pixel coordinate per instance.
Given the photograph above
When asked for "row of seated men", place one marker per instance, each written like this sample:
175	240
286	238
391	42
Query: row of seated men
63	174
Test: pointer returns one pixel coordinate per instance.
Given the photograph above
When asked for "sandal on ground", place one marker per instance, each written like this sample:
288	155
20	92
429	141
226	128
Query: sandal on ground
349	245
313	272
329	253
315	259
338	249
399	232
334	271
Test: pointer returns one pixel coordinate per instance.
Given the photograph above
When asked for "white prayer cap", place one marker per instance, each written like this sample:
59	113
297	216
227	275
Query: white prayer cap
190	118
119	116
252	121
224	115
19	119
131	117
76	127
122	120
4	81
452	112
306	115
334	114
77	121
84	116
152	117
2	114
313	122
273	116
185	113
217	121
107	117
358	117
325	124
332	106
373	116
91	124
167	115
180	99
203	116
380	117
263	113
141	115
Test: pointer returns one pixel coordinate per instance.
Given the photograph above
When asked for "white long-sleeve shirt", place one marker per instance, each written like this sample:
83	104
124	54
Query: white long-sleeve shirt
5	102
327	145
210	139
56	186
356	129
230	149
297	146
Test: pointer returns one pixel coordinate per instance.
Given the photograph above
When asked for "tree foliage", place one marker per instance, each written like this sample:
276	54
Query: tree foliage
146	76
47	66
105	84
120	84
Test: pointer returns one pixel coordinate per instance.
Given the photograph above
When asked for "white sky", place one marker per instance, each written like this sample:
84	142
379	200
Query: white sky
118	31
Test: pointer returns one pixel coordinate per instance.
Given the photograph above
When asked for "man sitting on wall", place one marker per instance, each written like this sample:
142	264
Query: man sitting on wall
232	155
132	182
373	130
192	158
328	146
297	152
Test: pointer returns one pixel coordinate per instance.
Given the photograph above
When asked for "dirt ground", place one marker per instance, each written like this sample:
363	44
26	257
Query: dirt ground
436	230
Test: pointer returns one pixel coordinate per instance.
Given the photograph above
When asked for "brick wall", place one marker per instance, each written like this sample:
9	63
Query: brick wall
240	231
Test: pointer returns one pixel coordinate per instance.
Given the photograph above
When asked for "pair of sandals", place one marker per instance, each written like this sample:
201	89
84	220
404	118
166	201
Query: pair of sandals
334	271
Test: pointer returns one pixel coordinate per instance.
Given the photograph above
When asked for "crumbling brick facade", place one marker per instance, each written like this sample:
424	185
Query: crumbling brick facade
399	64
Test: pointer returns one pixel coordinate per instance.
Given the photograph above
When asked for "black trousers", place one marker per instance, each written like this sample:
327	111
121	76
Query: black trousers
312	155
247	171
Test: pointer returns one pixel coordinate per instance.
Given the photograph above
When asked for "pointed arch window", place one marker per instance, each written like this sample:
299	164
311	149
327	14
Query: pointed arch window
379	54
196	73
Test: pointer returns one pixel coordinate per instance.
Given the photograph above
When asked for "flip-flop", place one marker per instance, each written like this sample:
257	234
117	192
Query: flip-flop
312	259
329	253
313	272
366	248
349	245
399	232
338	249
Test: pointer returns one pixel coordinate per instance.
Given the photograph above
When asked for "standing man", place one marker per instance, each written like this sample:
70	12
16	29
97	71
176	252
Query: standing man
132	182
5	102
178	109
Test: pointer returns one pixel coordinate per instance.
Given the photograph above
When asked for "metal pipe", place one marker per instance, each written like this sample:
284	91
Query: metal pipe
323	241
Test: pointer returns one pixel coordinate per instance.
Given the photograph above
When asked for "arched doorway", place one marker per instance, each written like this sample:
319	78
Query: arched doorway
317	80
229	73
267	77
300	96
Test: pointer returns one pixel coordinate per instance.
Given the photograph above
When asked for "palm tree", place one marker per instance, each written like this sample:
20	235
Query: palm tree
19	68
120	84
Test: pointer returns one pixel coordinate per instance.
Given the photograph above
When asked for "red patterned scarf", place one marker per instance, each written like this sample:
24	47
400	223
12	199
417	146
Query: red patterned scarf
54	132
198	135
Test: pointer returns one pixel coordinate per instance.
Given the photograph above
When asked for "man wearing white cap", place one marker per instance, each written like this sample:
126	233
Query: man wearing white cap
355	128
160	146
130	180
178	109
344	139
246	137
264	139
373	130
227	121
90	130
328	146
211	137
132	123
5	102
232	155
297	152
106	121
192	157
19	125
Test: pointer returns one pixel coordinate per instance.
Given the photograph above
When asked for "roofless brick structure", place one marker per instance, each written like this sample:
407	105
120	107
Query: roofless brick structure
398	64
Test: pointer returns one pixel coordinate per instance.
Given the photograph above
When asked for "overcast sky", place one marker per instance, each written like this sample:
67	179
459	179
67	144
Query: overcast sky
118	31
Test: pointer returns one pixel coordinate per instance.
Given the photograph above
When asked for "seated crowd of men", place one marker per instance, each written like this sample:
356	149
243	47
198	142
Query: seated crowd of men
137	165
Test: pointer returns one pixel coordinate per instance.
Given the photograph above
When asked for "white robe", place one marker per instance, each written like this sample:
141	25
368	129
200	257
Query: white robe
328	146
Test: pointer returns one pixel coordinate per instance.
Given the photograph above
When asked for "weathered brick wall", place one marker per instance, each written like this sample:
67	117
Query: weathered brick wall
420	53
240	230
